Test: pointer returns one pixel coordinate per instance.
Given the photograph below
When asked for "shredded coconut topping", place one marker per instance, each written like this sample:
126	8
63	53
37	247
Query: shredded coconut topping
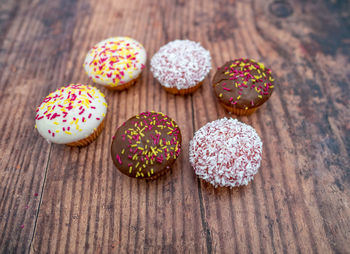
226	153
181	64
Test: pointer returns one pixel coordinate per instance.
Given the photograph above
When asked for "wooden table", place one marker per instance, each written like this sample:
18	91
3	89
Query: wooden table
57	199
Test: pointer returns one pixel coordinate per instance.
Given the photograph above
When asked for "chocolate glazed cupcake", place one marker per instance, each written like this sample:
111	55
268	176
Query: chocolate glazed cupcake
243	85
146	145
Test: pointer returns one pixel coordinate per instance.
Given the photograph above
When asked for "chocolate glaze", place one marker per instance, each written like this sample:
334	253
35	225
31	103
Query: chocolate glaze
243	83
149	143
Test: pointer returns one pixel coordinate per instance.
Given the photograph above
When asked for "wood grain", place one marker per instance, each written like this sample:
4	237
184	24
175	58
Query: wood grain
57	199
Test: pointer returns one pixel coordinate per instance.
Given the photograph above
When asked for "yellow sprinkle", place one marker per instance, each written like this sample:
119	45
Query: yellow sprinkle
140	169
137	164
152	171
148	174
260	96
68	132
238	97
56	123
262	66
144	165
35	126
133	145
142	175
220	95
154	152
57	131
130	169
123	151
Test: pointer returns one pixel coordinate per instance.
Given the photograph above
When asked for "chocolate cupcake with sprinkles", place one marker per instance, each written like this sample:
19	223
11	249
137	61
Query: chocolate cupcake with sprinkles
146	145
243	85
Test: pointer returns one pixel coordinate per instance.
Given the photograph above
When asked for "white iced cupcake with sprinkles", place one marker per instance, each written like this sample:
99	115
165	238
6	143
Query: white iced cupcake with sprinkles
116	62
226	153
72	115
181	66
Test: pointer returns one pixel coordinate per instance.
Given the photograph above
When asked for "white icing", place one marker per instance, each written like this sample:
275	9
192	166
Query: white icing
74	130
181	64
226	152
110	64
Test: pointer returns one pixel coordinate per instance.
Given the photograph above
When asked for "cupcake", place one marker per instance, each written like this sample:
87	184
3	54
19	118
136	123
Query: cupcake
72	115
226	153
243	85
181	66
146	145
116	62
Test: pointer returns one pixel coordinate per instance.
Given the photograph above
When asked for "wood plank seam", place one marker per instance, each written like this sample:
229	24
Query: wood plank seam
40	200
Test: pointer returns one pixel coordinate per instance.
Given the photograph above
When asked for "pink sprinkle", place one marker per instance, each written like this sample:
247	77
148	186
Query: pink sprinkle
22	226
227	89
118	159
36	194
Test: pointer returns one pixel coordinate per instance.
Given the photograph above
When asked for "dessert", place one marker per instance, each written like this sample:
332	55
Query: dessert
116	62
72	115
181	66
226	153
243	85
146	145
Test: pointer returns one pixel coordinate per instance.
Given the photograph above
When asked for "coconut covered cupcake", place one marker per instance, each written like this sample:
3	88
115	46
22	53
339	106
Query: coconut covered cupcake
226	153
116	62
72	115
181	66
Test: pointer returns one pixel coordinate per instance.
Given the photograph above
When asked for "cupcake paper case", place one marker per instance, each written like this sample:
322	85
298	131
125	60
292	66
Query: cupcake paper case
226	153
72	115
116	62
